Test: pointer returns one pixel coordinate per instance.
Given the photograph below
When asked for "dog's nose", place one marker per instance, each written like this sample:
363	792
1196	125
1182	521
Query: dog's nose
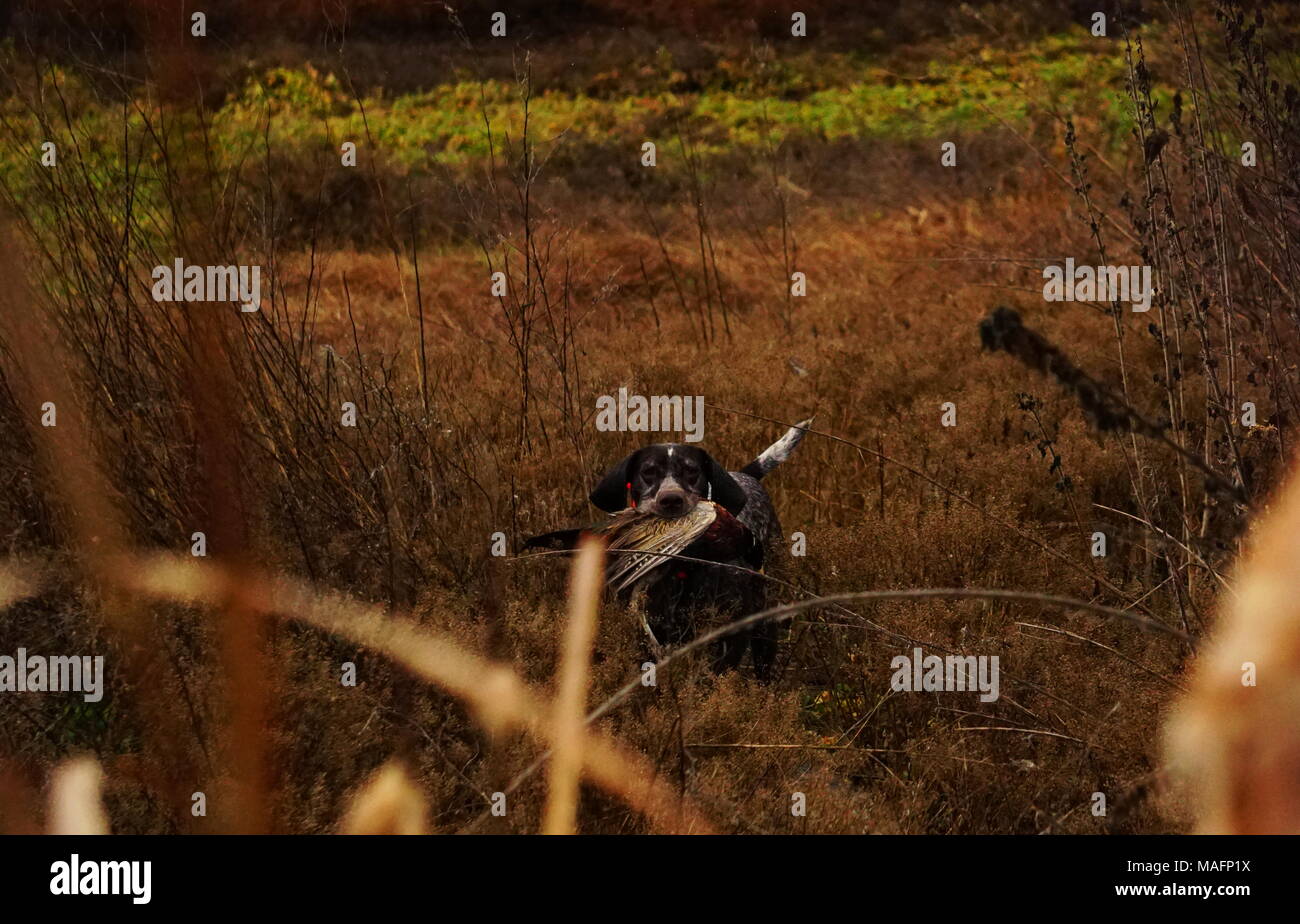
672	502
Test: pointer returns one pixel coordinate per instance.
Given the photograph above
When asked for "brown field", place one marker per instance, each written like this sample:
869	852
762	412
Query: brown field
476	416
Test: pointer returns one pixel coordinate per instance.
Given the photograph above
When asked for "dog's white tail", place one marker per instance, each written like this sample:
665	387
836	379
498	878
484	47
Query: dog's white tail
778	452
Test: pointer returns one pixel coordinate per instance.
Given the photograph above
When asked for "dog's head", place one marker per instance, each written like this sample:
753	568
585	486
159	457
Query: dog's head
668	480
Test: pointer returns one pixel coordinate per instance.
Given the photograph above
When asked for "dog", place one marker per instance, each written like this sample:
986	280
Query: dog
668	480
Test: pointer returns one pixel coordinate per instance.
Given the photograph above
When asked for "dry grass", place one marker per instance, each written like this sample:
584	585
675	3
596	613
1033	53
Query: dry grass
1235	740
371	545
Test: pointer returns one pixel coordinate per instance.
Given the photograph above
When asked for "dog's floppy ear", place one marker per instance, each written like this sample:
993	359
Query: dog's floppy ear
725	490
611	494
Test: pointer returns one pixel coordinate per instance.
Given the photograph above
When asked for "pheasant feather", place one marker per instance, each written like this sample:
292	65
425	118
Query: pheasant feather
641	541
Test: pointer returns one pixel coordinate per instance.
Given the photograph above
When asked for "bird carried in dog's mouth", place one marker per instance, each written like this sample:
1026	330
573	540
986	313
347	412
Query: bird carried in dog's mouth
641	543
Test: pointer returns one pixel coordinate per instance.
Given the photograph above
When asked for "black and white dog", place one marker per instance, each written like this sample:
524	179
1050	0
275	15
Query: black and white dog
668	480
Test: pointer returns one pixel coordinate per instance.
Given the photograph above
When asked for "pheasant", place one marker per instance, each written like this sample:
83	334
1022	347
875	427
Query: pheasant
642	543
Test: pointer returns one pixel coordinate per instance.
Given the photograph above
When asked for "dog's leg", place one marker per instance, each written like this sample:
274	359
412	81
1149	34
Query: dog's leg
762	638
762	647
728	652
